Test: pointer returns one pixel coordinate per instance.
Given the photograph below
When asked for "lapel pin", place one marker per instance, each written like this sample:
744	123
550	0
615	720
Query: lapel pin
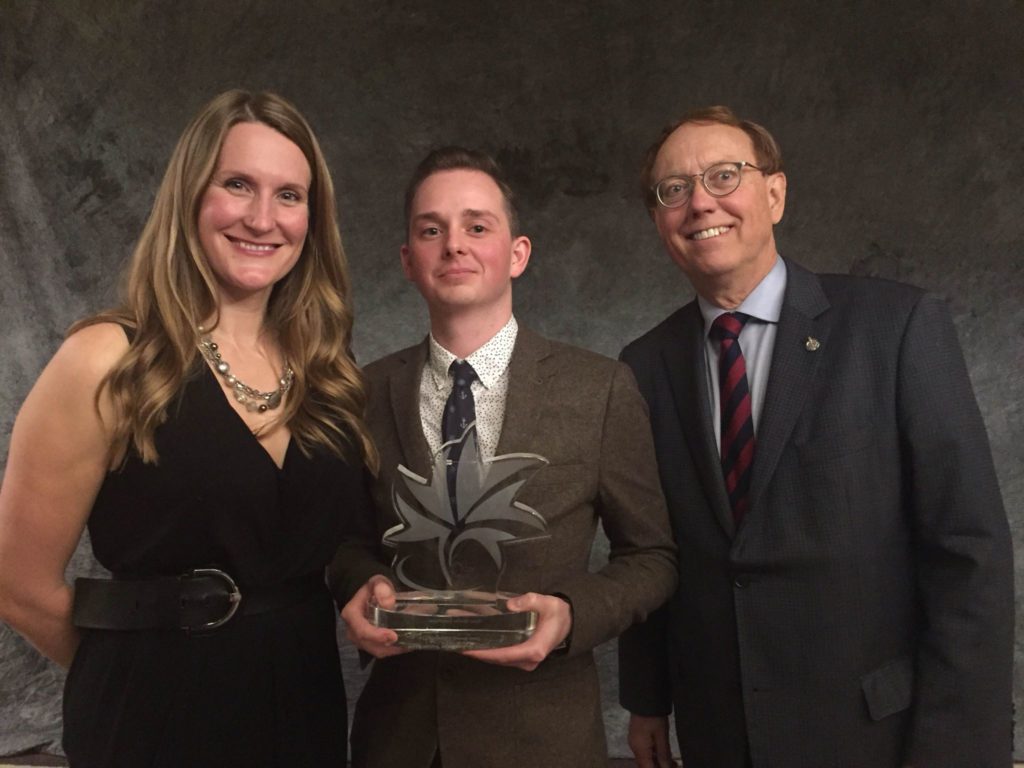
812	344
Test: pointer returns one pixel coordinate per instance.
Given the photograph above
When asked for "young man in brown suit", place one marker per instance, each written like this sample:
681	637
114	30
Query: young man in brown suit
536	703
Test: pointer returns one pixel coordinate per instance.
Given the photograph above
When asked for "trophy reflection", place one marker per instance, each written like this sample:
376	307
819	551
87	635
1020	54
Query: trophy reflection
458	529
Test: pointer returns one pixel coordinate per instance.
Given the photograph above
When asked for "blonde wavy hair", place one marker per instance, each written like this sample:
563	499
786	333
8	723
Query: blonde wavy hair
169	289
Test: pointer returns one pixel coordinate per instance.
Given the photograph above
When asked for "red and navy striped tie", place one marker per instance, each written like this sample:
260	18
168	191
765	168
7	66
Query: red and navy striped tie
737	438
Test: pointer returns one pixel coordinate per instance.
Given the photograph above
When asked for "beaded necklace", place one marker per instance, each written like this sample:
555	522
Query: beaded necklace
253	399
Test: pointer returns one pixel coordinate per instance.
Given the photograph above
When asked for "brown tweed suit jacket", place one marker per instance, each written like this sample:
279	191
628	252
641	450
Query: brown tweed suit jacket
584	414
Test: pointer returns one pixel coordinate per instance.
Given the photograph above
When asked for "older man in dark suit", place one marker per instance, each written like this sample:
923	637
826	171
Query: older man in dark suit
845	593
536	703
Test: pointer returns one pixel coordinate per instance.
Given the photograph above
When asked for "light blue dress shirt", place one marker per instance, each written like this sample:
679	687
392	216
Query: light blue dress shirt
757	340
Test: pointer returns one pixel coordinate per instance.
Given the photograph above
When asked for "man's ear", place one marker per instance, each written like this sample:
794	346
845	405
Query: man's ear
521	248
406	269
776	184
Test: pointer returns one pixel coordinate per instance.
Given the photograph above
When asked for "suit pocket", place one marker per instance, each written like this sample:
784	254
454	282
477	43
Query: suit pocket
562	474
836	444
558	487
890	688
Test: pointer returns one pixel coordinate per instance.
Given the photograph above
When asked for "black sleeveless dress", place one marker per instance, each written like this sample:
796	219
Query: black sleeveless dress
263	690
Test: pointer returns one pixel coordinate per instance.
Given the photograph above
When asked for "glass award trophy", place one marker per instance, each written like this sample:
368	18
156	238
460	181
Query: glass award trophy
457	531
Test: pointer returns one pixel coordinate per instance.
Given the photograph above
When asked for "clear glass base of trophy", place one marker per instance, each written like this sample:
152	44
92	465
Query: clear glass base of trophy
454	621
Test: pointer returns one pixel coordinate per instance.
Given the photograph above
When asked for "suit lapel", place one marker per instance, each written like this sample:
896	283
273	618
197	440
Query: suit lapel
404	390
686	369
525	386
794	364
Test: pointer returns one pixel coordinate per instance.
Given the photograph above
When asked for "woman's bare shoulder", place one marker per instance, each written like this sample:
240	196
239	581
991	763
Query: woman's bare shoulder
91	351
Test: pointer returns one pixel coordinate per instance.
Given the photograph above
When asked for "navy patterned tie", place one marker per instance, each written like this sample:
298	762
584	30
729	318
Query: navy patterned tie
459	413
737	438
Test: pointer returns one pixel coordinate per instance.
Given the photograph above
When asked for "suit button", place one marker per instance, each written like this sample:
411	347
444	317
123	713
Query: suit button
741	581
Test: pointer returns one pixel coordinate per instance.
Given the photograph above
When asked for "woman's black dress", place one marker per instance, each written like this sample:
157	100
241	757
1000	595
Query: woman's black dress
263	690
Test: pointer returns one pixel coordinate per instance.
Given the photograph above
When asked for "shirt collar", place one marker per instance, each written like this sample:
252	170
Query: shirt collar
489	361
763	303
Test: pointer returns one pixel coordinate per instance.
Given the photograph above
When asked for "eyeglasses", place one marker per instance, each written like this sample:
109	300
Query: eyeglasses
719	180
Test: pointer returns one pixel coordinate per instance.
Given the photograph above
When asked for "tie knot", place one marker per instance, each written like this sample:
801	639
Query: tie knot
462	372
729	325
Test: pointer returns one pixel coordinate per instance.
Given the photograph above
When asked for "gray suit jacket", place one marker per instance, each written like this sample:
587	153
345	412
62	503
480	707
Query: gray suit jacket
862	615
583	413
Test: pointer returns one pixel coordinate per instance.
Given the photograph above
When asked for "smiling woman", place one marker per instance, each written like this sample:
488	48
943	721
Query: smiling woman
255	213
214	644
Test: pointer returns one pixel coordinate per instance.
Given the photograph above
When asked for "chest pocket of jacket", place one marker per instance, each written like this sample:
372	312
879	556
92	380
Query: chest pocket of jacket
836	445
853	482
556	488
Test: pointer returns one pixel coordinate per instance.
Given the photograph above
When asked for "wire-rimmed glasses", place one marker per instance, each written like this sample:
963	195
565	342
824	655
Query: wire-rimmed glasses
719	180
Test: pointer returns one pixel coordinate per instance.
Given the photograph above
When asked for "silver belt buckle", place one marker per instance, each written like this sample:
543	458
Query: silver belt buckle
234	597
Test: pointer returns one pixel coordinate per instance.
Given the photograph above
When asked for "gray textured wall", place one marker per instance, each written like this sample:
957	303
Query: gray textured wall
900	122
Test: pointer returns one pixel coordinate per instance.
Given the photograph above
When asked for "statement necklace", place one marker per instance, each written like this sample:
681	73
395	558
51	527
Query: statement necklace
252	399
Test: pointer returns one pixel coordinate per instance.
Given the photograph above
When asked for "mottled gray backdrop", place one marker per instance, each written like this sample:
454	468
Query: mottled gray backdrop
900	123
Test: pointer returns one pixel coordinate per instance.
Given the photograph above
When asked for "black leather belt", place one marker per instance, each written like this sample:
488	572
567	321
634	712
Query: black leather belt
199	601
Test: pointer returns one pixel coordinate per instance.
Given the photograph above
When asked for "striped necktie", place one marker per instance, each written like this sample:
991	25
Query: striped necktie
737	419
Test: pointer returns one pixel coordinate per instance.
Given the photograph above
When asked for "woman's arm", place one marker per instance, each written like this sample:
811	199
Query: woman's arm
59	454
